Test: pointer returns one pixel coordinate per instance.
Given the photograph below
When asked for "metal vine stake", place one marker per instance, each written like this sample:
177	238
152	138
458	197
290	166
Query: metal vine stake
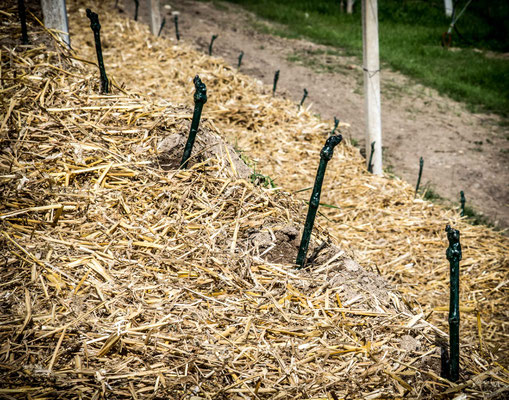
241	55
163	23
136	6
370	163
176	20
462	202
200	98
336	123
303	97
96	28
421	165
214	37
325	156
454	255
23	19
274	86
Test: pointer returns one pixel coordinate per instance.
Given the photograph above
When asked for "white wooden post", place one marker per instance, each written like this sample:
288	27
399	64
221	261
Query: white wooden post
55	17
349	6
448	8
372	83
154	15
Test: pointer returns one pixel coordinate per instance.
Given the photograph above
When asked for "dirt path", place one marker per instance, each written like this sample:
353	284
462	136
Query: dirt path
461	150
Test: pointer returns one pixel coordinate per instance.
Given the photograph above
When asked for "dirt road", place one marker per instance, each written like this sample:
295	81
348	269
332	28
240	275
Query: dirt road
461	150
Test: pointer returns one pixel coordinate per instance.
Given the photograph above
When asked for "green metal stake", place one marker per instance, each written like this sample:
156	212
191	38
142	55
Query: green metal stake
96	27
370	165
336	123
314	202
462	201
214	37
453	254
23	19
176	20
240	59
163	23
200	98
421	165
136	6
303	98
276	78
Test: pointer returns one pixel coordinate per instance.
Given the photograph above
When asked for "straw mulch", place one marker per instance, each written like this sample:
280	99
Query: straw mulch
126	278
378	218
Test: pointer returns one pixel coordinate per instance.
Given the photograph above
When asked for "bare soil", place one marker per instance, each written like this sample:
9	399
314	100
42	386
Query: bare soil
461	150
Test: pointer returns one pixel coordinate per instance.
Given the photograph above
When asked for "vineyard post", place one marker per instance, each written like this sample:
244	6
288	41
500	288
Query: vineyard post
325	156
23	19
55	17
163	23
274	86
96	28
176	20
421	165
336	123
200	98
370	162
214	37
454	255
303	97
241	55
136	7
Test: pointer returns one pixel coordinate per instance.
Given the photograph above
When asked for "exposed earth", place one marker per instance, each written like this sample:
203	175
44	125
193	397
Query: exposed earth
461	150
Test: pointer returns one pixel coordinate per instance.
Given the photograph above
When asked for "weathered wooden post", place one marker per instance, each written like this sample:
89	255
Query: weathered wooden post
96	28
454	255
54	13
372	83
325	156
200	98
155	16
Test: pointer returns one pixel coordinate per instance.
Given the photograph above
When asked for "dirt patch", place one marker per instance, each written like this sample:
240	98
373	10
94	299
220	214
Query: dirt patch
461	150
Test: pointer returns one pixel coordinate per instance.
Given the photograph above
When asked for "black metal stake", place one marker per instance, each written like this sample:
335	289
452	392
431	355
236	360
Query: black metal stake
370	165
303	98
176	20
462	202
240	59
421	165
200	98
96	27
314	202
136	6
214	37
163	23
453	254
274	86
336	123
23	19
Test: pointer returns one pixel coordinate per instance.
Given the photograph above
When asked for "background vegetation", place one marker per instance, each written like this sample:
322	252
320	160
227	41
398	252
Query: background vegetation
475	70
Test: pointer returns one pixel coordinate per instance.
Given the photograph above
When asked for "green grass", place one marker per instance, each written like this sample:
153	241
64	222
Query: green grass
474	72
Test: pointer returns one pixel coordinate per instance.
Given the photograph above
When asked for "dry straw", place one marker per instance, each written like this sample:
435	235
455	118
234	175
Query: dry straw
123	277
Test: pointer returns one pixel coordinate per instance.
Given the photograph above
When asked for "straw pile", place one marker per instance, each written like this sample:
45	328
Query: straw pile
124	277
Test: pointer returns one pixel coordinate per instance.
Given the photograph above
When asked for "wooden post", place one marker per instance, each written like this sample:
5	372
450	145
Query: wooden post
154	10
55	17
448	8
349	6
372	83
